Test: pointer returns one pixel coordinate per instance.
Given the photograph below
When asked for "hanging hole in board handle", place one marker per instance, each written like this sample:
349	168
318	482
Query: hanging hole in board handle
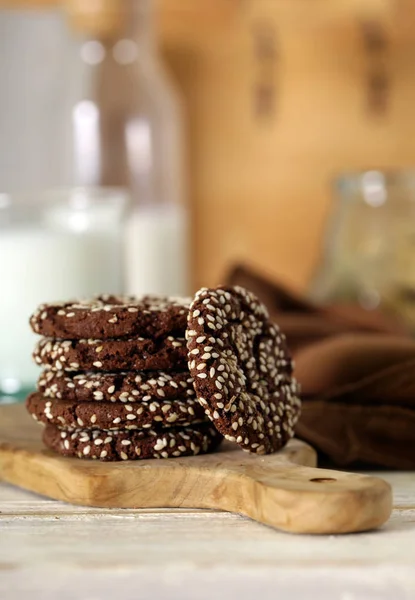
323	479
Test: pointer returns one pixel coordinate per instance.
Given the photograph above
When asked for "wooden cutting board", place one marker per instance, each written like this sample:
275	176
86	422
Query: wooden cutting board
282	490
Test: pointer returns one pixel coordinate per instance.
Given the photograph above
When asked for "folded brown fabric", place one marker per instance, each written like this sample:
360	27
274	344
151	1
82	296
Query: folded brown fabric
357	373
304	322
329	367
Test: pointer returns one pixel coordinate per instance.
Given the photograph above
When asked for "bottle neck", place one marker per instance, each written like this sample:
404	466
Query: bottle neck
138	22
111	21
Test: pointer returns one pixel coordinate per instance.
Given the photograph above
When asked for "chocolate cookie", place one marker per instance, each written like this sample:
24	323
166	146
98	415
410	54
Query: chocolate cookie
242	370
114	415
111	355
132	445
107	317
117	387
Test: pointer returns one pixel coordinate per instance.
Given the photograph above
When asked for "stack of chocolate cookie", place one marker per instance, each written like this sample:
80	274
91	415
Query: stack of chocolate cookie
133	378
115	384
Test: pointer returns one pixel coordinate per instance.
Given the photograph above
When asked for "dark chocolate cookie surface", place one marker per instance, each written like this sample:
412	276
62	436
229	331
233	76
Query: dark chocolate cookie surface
108	317
242	370
114	415
117	387
132	445
111	355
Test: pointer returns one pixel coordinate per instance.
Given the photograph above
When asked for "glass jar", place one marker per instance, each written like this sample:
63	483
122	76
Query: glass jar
369	255
54	245
125	129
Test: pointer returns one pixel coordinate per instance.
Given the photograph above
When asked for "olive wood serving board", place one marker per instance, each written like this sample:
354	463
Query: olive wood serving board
283	490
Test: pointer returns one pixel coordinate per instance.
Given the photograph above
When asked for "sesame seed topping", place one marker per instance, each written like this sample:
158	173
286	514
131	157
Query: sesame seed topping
247	381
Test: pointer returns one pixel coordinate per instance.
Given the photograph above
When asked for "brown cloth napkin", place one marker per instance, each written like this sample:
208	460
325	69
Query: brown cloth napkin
357	374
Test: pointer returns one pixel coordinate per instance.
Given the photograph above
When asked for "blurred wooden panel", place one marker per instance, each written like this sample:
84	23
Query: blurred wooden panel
184	22
276	111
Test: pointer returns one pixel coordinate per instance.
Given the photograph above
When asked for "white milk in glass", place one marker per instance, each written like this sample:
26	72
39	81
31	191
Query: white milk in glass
69	252
157	251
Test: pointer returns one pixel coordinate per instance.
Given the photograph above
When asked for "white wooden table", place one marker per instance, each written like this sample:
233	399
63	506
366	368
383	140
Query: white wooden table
49	550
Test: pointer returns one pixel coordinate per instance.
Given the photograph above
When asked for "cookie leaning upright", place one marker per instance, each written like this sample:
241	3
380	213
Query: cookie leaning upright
242	369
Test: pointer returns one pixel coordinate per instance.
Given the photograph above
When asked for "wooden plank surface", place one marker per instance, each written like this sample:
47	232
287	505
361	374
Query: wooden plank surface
53	548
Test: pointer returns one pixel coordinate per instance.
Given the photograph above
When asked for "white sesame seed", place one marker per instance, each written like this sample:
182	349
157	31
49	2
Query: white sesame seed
160	444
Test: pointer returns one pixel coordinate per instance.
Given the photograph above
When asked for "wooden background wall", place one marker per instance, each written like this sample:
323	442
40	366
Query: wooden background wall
281	96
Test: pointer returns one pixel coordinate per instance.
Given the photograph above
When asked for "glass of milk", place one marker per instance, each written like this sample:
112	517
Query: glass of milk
54	245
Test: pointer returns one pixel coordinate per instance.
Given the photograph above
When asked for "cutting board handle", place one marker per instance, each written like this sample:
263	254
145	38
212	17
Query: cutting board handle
308	500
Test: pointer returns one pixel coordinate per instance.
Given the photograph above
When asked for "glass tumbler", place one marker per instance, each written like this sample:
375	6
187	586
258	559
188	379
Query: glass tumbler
54	246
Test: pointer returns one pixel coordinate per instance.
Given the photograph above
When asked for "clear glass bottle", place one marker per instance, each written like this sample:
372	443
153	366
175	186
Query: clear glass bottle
126	129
